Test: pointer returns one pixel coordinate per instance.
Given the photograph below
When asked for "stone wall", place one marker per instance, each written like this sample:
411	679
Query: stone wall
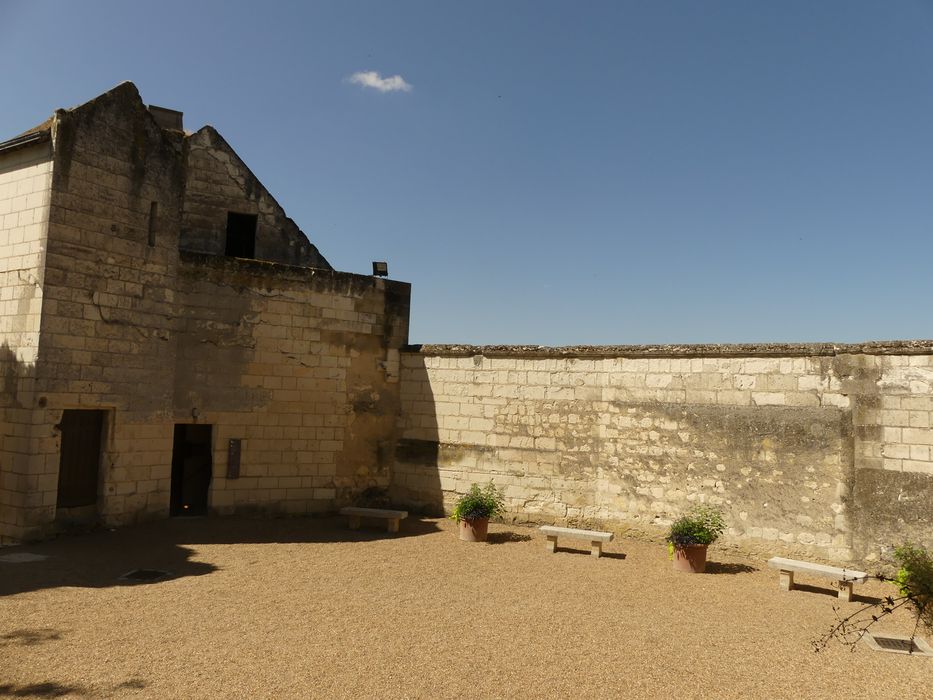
25	182
219	182
106	338
820	450
301	365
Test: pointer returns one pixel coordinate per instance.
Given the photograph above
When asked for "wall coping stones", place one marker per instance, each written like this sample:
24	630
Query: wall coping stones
219	268
880	347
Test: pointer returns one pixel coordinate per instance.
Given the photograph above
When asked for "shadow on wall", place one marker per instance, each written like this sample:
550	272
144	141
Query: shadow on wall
12	372
16	379
890	508
416	477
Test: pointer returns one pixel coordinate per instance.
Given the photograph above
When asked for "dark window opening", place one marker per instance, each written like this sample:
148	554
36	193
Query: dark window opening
153	215
191	469
241	235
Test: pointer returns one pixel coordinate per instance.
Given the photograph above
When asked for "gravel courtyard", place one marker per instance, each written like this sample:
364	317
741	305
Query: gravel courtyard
306	608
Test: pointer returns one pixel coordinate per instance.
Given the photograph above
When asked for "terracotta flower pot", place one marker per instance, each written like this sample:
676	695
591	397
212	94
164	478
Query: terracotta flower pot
474	530
691	558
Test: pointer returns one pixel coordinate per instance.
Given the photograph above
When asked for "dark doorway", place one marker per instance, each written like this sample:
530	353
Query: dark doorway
79	463
241	235
191	469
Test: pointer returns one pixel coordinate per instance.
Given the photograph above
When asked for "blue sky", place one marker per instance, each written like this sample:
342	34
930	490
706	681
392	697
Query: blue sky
559	172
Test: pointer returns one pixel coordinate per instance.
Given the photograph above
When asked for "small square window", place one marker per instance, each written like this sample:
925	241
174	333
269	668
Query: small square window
241	235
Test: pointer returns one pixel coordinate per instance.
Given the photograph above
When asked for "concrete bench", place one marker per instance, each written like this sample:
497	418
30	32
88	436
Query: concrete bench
594	537
392	517
844	577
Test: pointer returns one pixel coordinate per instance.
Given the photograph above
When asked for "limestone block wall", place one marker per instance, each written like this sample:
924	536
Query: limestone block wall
102	308
302	366
794	442
25	183
107	329
219	182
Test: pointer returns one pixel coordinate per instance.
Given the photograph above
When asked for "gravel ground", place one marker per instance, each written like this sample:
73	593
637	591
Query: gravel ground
306	608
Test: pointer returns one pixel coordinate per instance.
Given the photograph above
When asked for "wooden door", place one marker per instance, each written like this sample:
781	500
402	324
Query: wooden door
80	457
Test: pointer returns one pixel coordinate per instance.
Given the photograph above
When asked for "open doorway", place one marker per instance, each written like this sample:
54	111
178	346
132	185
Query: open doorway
191	469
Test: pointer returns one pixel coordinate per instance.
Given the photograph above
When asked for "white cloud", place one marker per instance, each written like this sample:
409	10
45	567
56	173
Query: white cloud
372	79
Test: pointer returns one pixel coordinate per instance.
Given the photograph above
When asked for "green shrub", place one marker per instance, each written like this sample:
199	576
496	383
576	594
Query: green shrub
486	502
915	580
701	525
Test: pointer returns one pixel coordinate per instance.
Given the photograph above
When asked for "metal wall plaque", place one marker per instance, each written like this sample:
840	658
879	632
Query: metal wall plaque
233	458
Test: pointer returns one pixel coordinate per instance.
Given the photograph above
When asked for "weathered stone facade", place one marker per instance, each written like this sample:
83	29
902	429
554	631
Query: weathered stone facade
104	308
817	449
149	282
219	182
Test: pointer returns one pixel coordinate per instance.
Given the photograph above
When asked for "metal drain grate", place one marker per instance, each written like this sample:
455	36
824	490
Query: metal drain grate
141	575
898	644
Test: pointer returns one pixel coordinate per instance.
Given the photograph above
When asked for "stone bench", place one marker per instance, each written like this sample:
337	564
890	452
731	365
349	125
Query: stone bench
594	537
845	577
392	517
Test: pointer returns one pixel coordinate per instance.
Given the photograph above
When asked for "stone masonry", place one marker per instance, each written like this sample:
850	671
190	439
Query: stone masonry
148	281
118	297
816	449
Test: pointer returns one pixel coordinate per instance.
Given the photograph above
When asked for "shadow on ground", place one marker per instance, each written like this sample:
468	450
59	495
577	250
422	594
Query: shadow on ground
586	552
99	559
716	567
29	638
50	689
506	537
47	689
833	593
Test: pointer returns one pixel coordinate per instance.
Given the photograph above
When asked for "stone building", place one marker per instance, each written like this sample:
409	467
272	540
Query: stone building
170	341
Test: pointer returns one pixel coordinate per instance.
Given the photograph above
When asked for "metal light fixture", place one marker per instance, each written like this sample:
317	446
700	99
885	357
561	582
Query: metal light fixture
380	269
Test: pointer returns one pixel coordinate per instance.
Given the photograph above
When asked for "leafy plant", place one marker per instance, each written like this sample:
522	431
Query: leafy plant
701	525
914	581
485	502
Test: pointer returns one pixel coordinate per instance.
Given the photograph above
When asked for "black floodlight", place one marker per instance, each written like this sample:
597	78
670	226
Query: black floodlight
380	269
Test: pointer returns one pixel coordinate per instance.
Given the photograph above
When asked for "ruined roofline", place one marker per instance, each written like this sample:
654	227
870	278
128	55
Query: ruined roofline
171	136
43	132
45	128
880	347
212	130
30	138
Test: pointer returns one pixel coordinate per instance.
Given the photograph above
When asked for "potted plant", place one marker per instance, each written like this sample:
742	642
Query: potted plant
691	534
474	509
